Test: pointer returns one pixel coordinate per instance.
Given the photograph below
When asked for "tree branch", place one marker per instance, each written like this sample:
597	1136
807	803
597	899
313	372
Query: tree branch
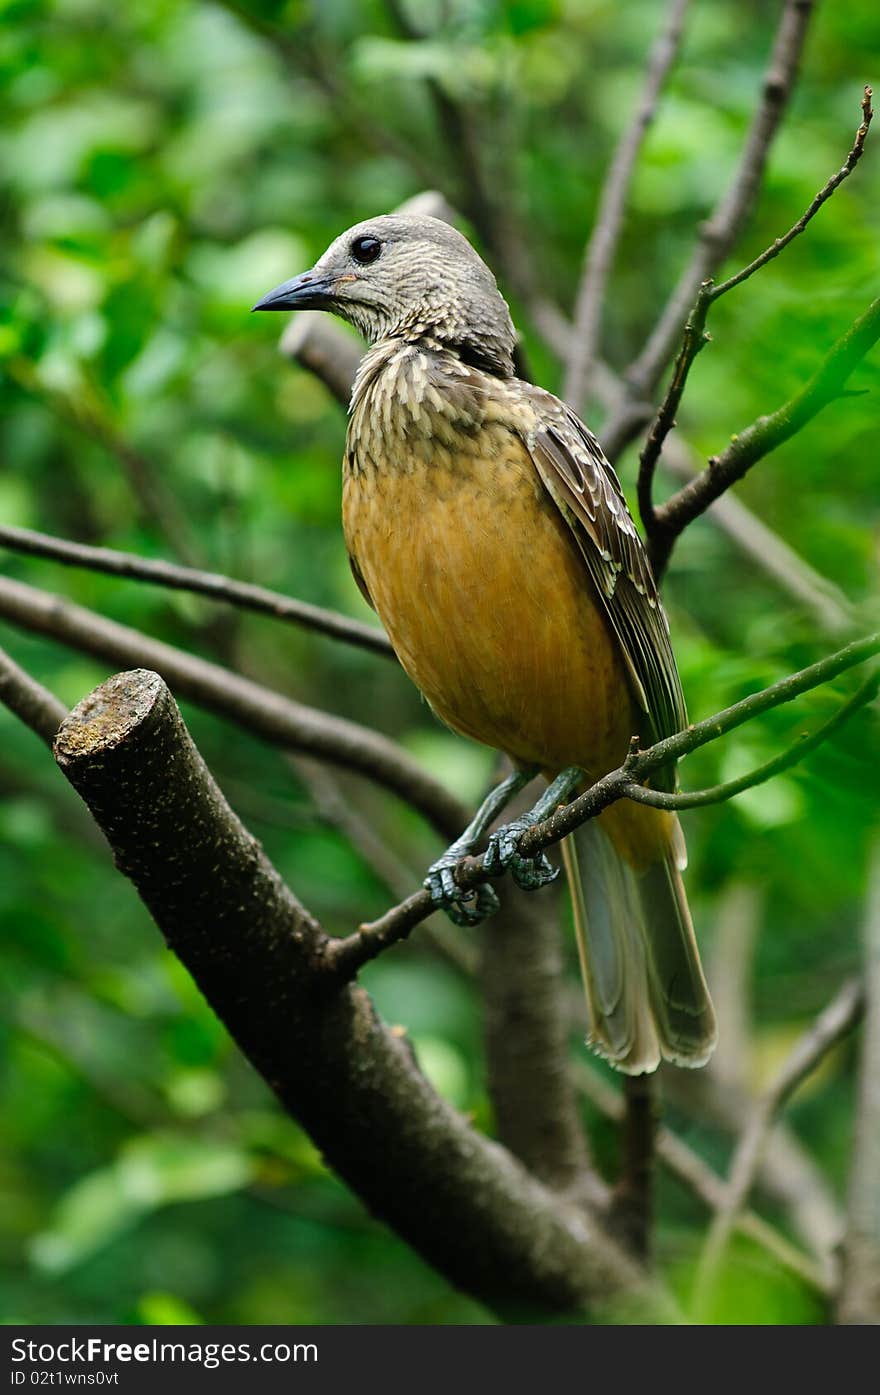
838	1018
352	1084
695	338
716	794
29	700
600	251
846	169
751	445
535	1105
346	956
682	1162
859	1297
719	233
218	588
277	719
632	1210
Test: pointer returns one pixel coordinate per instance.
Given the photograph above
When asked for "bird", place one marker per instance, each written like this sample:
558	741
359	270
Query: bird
486	528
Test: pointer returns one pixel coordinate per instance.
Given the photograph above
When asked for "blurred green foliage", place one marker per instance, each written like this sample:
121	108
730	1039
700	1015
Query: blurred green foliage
163	163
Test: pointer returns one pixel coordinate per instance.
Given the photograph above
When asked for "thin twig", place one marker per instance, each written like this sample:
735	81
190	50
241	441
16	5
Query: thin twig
602	246
789	1175
715	794
834	1022
763	436
695	337
846	169
719	233
344	957
242	594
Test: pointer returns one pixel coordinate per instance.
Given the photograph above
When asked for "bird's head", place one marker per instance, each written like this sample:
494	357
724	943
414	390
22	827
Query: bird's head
408	276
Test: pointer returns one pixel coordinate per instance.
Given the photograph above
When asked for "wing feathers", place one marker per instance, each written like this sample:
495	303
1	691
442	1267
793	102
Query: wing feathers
586	490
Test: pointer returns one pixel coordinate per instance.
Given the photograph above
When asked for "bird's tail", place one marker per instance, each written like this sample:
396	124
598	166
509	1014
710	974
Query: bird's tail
646	993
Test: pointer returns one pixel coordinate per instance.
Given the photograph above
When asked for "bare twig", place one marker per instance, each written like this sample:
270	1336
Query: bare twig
600	251
218	588
763	436
695	337
277	719
855	154
29	700
688	1167
859	1298
351	1083
719	233
834	1022
345	957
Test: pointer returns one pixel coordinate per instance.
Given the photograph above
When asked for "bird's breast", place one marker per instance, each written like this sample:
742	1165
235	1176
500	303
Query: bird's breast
478	581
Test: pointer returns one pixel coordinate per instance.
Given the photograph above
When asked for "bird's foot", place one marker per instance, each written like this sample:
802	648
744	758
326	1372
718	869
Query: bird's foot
463	905
502	855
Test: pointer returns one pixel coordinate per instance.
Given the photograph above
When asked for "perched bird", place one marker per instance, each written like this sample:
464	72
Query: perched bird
490	534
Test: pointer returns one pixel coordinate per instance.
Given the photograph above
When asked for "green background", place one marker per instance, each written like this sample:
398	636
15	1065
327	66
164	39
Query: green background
162	165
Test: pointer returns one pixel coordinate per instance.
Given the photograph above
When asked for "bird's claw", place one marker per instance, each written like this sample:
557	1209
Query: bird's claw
464	905
502	855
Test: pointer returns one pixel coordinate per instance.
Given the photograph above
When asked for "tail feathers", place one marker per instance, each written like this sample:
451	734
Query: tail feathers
646	993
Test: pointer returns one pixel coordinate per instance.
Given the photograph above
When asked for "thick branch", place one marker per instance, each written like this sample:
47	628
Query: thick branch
355	1086
600	252
242	594
859	1299
535	1105
838	1018
632	1211
268	714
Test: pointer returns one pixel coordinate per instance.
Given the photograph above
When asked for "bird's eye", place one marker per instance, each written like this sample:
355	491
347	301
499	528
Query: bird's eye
366	249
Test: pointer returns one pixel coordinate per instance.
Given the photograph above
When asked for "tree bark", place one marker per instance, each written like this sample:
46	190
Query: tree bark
466	1205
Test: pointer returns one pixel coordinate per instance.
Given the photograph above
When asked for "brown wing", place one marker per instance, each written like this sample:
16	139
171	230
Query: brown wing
586	490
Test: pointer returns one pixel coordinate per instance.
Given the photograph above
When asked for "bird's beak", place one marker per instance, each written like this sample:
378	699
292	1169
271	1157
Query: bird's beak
310	291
